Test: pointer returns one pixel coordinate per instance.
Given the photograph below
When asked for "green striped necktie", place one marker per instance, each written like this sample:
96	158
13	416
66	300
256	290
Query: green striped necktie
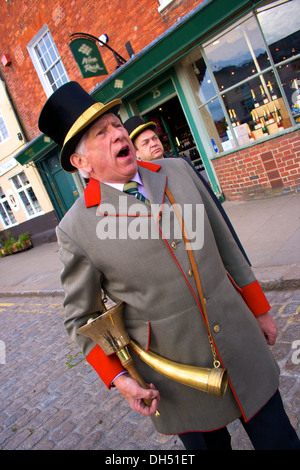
132	188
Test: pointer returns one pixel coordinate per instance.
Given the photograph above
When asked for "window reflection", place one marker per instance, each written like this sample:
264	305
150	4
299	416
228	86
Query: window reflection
238	54
206	90
280	23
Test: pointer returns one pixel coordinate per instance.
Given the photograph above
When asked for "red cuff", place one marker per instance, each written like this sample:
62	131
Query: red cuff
254	297
107	367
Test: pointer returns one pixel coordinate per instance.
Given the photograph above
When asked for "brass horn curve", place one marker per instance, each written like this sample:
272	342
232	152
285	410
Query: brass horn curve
108	330
213	381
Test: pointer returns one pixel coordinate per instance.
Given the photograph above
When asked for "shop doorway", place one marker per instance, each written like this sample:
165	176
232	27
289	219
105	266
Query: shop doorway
174	132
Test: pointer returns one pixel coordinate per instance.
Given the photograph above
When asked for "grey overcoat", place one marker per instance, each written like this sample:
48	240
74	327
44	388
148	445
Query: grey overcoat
144	263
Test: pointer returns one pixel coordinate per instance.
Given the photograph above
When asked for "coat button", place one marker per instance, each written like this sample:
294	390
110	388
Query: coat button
173	245
217	328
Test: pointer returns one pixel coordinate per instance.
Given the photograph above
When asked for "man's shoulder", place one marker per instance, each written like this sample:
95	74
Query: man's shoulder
172	162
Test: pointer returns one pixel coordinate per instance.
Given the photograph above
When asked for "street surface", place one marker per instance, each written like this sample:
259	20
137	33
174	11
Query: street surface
52	399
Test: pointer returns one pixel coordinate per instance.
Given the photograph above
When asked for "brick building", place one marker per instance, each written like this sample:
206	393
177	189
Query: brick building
219	78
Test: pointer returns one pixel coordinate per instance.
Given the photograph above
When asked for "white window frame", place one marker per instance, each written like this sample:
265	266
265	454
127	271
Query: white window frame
3	126
24	187
163	4
37	64
4	198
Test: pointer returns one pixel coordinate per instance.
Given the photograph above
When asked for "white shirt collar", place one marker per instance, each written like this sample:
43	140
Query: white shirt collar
120	186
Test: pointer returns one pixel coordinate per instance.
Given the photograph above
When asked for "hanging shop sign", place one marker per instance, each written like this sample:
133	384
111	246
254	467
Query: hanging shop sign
87	57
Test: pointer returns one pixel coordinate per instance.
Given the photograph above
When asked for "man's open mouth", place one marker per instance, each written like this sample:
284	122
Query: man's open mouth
124	152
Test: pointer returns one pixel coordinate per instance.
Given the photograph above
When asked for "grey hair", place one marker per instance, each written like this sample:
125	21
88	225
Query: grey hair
80	148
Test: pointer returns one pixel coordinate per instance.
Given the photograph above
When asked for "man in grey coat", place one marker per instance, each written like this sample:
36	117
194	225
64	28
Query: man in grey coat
132	249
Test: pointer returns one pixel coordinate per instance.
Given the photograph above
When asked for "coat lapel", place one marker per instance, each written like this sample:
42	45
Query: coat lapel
155	184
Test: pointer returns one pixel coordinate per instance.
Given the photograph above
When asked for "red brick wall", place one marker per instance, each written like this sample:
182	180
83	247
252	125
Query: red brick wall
128	20
265	169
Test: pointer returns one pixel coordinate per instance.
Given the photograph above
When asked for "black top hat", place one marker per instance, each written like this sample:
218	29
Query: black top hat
67	115
136	124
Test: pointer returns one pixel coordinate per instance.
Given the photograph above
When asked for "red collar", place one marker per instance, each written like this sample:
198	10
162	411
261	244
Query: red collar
92	193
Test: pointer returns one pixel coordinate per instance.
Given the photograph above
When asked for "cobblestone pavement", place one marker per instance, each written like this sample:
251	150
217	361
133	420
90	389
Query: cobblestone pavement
52	399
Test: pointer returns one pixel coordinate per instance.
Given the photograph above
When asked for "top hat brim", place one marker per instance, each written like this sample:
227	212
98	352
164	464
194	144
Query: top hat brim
148	125
80	126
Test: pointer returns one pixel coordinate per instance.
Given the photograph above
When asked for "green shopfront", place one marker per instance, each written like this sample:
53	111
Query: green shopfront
222	86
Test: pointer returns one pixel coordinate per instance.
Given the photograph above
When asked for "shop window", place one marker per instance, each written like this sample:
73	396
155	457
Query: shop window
47	61
26	194
246	79
6	214
3	130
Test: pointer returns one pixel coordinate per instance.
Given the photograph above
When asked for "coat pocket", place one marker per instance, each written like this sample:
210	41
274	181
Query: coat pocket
181	338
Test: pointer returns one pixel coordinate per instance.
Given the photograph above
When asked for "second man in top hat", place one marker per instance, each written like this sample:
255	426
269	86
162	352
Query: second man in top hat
145	139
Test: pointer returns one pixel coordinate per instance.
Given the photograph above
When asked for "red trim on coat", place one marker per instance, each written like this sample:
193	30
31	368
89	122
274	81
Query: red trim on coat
107	367
254	297
150	166
148	343
92	193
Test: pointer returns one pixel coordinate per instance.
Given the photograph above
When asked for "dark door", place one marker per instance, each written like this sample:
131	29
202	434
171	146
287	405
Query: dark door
60	185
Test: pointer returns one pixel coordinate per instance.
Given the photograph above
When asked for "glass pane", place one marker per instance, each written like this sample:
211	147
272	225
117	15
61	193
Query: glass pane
206	90
238	54
16	182
47	40
23	178
4	216
53	53
280	22
34	201
290	79
47	60
26	203
217	126
50	77
10	216
3	130
42	47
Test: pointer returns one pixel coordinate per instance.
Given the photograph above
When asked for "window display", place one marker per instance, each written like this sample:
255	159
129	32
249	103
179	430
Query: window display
246	80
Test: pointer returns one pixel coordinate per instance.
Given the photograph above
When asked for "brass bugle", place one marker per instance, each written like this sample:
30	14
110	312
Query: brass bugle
213	381
108	330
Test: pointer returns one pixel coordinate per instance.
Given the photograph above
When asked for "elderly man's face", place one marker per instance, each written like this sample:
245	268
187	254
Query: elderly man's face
109	153
148	146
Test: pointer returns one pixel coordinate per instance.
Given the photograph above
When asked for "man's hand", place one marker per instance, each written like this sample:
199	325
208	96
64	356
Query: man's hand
269	328
134	394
